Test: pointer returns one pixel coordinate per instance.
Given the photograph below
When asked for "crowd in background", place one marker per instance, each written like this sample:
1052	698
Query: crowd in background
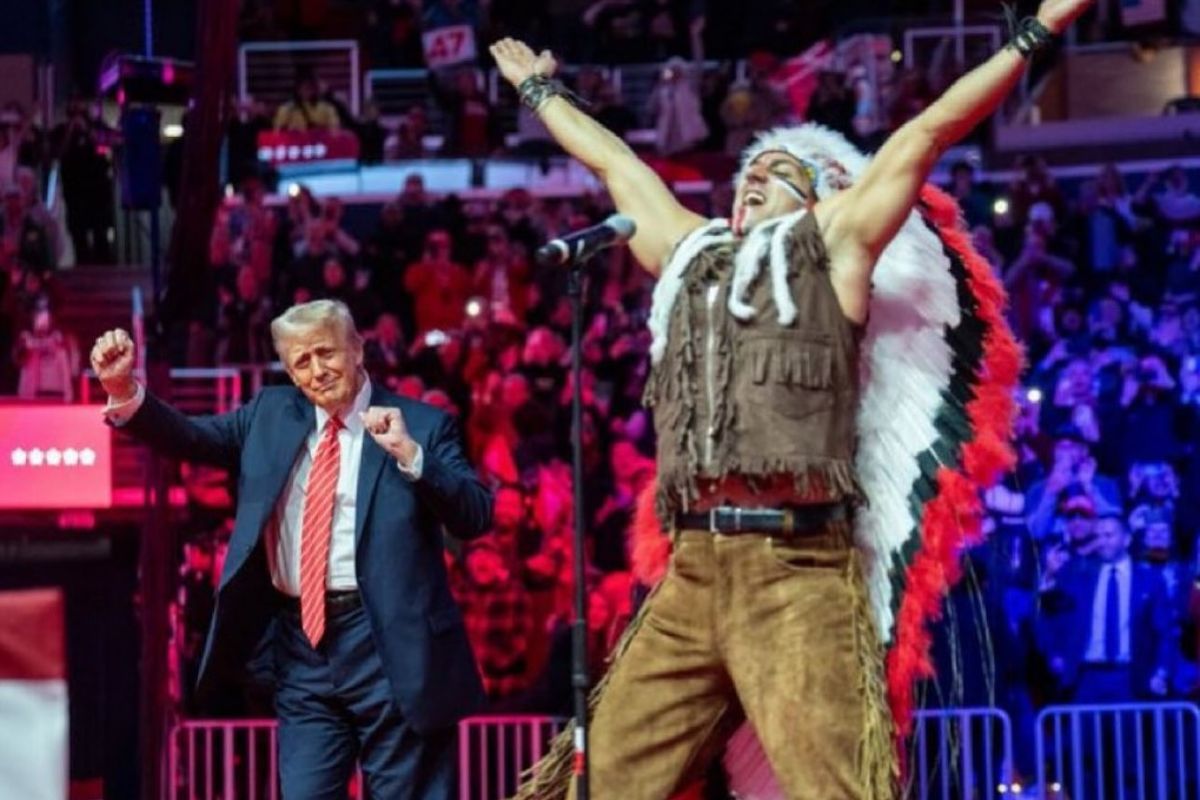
1105	290
1103	276
39	359
637	30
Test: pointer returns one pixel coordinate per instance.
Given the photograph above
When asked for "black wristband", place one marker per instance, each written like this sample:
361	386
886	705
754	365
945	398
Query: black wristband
1029	36
535	90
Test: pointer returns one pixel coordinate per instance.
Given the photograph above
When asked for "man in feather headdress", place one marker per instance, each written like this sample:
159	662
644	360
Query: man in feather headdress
778	410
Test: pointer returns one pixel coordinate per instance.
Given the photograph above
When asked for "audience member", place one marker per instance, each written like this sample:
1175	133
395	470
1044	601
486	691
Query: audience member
26	243
307	110
496	609
673	109
47	359
87	182
439	286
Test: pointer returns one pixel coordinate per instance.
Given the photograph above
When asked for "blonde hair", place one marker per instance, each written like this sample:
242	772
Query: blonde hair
315	314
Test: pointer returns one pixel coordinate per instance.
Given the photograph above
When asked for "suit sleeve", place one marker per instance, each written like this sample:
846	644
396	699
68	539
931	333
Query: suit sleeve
215	439
451	486
1165	631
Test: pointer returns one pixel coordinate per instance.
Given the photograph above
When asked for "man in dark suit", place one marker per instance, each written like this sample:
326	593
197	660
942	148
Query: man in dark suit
1107	633
343	489
1108	624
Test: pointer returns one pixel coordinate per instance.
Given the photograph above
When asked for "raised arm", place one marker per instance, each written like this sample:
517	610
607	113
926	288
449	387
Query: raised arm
863	219
636	189
215	439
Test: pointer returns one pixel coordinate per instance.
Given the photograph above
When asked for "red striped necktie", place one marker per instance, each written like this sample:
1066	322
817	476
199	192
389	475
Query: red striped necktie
316	530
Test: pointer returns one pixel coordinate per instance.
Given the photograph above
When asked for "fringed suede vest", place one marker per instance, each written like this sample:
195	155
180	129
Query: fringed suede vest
756	399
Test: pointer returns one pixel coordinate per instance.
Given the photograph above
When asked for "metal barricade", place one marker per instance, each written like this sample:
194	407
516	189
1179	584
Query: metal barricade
394	91
1130	751
972	43
261	375
228	759
222	760
961	753
267	70
494	751
196	390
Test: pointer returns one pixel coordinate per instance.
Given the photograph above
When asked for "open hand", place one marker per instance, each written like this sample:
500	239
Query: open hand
112	360
517	61
1057	15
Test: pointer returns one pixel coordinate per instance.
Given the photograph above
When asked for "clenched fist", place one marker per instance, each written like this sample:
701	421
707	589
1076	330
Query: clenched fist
112	360
386	426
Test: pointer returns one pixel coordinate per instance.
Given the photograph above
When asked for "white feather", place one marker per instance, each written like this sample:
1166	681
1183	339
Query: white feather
781	293
666	291
905	366
746	266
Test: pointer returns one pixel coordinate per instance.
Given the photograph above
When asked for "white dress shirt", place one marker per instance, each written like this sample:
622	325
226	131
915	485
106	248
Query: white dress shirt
283	528
1095	651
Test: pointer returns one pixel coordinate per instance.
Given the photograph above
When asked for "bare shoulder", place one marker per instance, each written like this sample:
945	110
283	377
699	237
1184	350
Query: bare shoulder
679	230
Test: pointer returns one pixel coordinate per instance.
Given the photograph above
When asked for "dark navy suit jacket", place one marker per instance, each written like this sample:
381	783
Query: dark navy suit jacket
1069	609
417	626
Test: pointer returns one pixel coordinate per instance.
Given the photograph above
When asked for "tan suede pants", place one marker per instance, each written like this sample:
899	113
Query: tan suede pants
748	626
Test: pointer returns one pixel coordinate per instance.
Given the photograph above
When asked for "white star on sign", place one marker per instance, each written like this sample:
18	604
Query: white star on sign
70	456
36	457
54	457
87	457
19	457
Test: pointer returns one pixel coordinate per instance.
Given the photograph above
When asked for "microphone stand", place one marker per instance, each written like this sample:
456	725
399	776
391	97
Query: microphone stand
579	661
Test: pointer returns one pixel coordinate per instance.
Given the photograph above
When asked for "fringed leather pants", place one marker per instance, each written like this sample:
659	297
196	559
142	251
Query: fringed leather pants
749	626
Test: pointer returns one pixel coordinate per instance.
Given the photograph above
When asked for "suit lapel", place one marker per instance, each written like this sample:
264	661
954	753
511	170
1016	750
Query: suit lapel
295	420
296	423
371	465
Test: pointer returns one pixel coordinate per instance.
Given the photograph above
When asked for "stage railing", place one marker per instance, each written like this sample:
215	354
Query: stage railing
1134	751
195	390
961	752
214	759
267	71
218	759
493	752
227	759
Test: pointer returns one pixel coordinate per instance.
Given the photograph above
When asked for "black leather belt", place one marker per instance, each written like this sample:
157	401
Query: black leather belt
780	521
336	602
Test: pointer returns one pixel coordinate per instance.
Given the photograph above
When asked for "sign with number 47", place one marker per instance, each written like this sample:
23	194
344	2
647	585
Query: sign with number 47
445	47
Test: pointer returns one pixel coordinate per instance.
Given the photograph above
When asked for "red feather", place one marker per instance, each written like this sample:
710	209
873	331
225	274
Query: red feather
950	522
650	548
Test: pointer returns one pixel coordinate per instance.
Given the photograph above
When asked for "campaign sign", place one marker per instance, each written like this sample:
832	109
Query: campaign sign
54	456
445	47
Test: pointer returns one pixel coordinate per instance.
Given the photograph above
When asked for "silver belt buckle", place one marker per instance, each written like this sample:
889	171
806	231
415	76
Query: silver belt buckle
712	518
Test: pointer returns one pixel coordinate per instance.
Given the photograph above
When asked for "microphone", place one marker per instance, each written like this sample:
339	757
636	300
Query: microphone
580	245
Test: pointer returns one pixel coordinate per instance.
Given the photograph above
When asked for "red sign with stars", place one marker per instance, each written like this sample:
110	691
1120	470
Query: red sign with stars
54	456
